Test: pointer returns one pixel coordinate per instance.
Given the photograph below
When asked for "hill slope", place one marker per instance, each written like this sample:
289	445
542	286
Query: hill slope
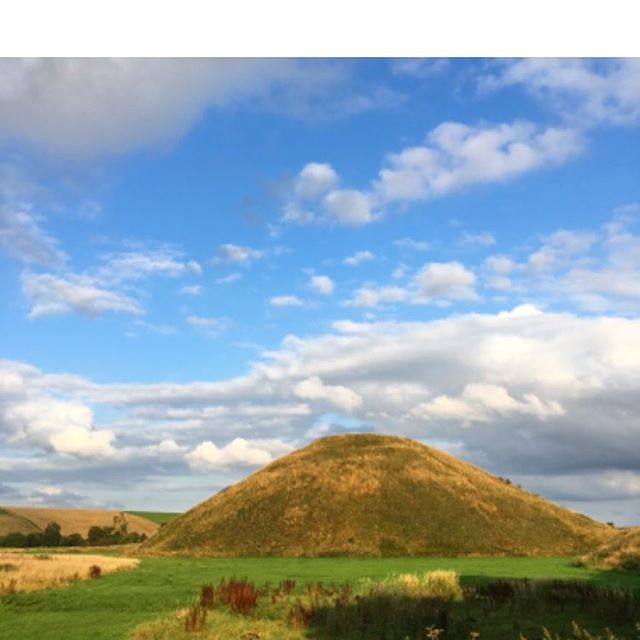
375	495
33	519
623	552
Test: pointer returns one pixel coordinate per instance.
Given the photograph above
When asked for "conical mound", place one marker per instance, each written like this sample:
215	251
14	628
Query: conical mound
376	495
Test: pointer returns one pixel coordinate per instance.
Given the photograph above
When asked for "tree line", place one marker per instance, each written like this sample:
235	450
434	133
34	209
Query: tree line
52	536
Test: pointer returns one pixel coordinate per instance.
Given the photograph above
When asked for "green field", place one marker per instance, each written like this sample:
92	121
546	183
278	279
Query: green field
160	517
113	605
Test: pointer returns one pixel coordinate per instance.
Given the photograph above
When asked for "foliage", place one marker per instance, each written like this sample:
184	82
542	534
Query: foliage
97	536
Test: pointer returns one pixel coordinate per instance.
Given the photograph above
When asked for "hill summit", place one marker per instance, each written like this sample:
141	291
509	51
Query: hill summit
368	494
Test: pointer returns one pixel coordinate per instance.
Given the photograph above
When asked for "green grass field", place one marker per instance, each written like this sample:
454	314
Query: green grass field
160	517
110	607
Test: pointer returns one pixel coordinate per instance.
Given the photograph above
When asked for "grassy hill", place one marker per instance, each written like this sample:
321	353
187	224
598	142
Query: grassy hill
11	522
376	495
34	519
159	517
623	552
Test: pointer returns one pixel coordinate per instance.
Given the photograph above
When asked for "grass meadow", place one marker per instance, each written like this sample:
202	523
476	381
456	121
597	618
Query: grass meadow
112	606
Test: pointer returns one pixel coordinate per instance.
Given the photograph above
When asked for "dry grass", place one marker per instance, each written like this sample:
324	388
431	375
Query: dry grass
623	552
34	572
376	496
76	520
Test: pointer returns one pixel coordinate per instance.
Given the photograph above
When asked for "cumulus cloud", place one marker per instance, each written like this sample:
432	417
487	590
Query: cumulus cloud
315	389
483	402
358	258
235	253
484	239
207	456
314	180
597	270
127	266
435	282
97	106
323	285
51	294
285	301
456	155
349	206
511	391
586	91
453	156
448	280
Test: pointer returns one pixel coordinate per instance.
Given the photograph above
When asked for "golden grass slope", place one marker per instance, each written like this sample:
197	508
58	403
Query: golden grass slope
21	572
30	519
11	522
367	494
623	552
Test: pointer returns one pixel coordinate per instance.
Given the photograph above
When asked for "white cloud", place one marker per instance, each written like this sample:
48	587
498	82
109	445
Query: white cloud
53	295
83	442
358	258
483	402
484	239
456	155
22	237
499	264
314	180
435	282
232	277
348	206
446	280
21	233
374	296
314	389
95	106
207	456
209	324
511	391
128	266
234	253
586	91
323	285
191	290
419	67
453	156
285	301
560	248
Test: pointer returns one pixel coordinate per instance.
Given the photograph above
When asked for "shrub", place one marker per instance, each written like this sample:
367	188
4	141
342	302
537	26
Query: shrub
207	598
240	595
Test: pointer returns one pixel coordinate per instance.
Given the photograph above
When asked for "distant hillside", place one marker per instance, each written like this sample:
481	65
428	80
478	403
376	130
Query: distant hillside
376	495
34	519
11	522
159	517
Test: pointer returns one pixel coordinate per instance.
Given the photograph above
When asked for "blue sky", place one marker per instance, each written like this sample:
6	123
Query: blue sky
207	263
